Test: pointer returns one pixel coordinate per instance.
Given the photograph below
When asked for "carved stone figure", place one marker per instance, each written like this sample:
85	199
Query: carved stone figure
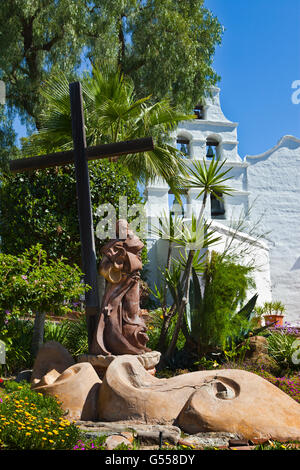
234	401
228	400
121	328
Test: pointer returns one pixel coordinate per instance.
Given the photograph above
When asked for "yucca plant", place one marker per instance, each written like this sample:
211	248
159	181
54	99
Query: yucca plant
209	179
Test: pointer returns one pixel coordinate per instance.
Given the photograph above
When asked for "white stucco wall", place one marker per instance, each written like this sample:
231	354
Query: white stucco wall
274	184
269	184
254	253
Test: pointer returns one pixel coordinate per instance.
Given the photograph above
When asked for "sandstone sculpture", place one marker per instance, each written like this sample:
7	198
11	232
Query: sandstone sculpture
121	328
100	363
233	400
51	356
77	388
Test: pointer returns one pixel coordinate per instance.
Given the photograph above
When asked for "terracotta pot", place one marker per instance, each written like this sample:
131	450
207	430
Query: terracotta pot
256	322
269	319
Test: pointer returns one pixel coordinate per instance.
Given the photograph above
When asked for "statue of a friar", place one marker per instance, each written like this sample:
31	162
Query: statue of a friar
121	328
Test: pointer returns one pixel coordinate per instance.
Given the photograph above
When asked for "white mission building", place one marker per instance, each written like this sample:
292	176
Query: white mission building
266	198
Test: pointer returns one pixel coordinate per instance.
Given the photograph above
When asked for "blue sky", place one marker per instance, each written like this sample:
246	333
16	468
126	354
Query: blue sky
258	61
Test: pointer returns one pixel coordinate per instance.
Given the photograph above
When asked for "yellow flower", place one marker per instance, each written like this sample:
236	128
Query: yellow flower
28	434
55	432
52	442
44	438
67	434
50	433
37	430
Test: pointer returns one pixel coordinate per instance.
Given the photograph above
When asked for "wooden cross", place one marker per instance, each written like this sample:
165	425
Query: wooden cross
80	156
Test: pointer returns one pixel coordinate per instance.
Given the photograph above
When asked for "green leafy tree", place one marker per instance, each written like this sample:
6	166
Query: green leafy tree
41	207
166	47
31	282
7	139
39	37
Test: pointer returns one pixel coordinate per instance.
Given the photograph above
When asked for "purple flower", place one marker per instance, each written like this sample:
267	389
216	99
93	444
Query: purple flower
24	277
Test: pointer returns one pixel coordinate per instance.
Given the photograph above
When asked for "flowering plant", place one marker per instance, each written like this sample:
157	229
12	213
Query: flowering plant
30	420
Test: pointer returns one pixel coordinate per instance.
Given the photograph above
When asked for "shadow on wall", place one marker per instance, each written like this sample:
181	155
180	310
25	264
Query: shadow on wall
296	265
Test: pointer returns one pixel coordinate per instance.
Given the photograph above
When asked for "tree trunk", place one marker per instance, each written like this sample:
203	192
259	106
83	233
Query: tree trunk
38	332
186	280
164	330
184	301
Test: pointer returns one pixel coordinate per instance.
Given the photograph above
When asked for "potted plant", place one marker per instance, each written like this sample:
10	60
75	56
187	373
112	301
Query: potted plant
256	320
274	313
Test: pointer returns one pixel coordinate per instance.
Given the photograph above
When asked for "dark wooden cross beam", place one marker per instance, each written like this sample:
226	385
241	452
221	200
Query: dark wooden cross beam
80	156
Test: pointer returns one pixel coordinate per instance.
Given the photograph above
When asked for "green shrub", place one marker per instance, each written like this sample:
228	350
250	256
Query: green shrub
154	330
30	420
212	316
33	283
41	207
17	336
72	334
281	347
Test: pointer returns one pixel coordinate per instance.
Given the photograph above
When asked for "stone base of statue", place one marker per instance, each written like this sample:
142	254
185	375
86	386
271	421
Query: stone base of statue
100	363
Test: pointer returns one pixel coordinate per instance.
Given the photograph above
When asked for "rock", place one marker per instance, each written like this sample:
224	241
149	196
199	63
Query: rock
242	448
238	442
51	356
234	401
146	434
24	375
77	388
112	442
267	363
209	439
258	345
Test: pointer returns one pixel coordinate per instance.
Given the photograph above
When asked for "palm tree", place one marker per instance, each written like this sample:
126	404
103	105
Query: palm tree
112	113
